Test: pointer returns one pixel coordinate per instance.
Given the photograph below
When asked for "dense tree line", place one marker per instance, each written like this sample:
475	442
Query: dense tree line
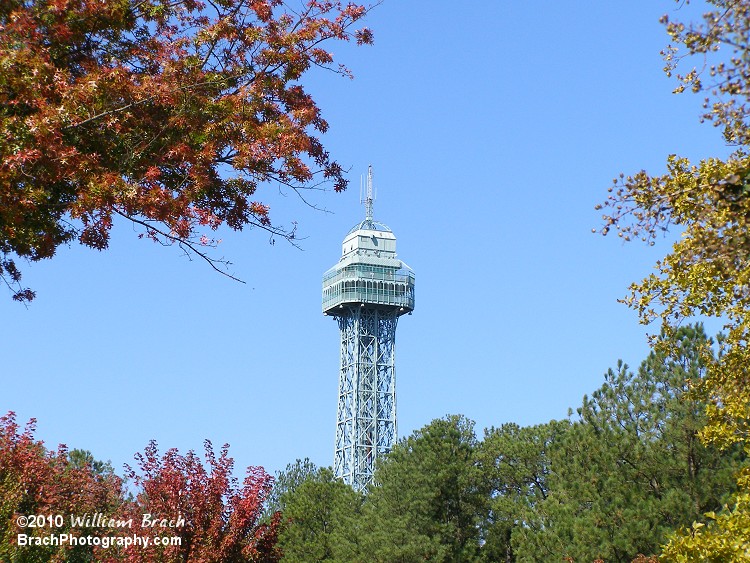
610	483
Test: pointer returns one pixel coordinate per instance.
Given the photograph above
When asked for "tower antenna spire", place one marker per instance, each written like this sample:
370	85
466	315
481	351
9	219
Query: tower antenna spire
369	196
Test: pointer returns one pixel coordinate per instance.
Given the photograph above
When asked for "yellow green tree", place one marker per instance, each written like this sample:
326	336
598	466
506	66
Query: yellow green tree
707	271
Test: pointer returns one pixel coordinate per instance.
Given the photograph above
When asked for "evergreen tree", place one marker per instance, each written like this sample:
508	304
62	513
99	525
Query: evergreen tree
285	483
631	469
320	514
428	498
515	461
707	272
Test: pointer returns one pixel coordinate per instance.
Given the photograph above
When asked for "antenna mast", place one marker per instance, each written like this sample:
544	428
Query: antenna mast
369	197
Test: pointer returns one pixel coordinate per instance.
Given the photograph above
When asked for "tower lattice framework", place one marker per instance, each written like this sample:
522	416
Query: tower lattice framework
367	291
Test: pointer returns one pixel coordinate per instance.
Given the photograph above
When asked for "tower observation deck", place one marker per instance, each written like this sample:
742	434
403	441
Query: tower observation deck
366	292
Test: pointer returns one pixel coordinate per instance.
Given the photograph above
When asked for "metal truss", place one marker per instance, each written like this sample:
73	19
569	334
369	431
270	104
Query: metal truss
366	420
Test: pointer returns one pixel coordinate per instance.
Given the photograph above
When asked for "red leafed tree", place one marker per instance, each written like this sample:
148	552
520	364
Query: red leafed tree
169	113
215	518
34	481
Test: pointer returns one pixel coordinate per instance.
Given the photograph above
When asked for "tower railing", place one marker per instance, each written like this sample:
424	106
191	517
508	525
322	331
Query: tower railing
368	271
369	284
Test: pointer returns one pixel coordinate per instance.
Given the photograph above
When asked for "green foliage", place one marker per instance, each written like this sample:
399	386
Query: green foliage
427	503
320	513
84	459
285	483
726	539
609	485
515	461
631	470
429	497
707	271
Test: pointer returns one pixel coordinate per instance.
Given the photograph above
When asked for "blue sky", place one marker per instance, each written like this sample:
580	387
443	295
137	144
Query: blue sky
493	130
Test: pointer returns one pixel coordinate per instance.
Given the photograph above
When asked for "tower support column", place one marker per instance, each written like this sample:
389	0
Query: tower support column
366	413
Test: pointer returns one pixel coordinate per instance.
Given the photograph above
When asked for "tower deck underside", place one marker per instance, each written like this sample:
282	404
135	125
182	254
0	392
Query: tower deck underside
366	418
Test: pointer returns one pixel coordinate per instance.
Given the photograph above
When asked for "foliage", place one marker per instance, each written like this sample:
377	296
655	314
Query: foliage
515	461
221	517
611	485
428	497
285	483
320	515
84	459
726	539
34	481
426	502
169	114
708	270
631	470
607	486
215	518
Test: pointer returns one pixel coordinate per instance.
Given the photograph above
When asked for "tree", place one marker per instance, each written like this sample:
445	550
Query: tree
84	459
515	460
215	517
321	515
631	470
167	114
285	483
428	497
708	270
35	481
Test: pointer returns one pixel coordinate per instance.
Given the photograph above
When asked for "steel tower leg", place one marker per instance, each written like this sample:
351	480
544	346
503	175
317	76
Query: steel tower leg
366	414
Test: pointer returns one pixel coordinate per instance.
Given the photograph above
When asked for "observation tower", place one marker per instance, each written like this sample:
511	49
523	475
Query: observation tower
366	292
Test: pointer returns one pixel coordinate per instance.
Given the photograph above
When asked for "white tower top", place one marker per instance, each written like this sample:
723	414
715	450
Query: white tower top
368	256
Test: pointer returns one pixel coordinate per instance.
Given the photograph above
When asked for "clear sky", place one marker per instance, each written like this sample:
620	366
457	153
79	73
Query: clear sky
493	127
